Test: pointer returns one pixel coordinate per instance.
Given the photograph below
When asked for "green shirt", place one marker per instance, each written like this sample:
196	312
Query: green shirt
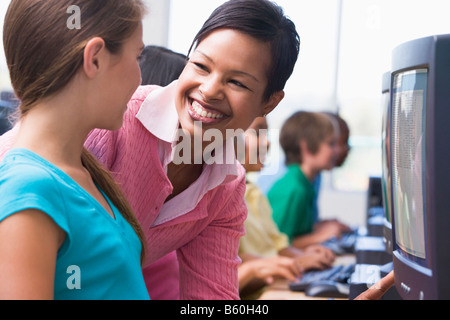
293	200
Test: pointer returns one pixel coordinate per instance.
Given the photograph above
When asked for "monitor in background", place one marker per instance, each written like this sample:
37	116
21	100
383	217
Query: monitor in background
8	106
386	162
420	171
374	193
375	211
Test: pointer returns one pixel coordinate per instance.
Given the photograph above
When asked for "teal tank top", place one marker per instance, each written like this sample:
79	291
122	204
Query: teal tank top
100	257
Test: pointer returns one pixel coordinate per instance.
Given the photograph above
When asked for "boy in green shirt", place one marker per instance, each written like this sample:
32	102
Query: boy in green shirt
308	140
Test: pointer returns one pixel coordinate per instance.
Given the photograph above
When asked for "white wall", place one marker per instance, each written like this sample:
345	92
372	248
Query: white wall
156	22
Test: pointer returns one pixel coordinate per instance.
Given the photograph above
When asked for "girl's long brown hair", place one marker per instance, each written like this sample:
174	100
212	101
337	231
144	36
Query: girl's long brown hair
43	54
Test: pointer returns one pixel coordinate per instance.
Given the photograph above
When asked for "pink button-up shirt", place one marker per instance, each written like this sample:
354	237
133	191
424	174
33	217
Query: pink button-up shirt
206	237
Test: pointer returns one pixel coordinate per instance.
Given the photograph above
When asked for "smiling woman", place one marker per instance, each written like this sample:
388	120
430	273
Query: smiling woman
215	82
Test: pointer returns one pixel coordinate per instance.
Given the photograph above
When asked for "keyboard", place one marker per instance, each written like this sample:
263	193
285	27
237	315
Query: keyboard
343	245
338	273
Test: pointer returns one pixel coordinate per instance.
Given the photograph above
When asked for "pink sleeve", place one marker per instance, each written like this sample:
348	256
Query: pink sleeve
209	263
162	278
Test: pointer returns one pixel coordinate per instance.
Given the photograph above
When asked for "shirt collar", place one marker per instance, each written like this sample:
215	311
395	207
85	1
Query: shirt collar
158	113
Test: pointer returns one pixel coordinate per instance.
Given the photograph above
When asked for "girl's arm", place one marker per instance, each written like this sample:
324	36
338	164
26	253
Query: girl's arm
29	243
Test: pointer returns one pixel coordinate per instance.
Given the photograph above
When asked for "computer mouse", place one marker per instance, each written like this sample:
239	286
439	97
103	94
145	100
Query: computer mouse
328	289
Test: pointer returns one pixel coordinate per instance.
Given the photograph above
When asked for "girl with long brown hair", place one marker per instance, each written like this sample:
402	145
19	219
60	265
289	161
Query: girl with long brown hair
66	230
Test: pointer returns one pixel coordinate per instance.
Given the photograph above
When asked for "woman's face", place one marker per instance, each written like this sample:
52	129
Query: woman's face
223	83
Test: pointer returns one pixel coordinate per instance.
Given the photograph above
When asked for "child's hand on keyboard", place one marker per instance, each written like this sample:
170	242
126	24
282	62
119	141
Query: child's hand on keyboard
316	257
268	269
330	229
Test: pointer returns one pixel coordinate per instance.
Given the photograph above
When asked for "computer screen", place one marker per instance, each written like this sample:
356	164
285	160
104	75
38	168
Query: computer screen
419	168
408	152
386	161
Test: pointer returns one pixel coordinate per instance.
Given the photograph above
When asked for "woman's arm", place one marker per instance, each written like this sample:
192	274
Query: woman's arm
209	262
29	243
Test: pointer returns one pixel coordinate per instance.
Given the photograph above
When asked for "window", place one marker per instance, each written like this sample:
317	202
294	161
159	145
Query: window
370	30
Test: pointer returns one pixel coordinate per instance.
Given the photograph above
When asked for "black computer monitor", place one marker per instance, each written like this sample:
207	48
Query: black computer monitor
386	161
8	106
5	112
420	167
374	193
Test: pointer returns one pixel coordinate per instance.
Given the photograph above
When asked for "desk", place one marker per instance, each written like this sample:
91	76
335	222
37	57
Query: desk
279	290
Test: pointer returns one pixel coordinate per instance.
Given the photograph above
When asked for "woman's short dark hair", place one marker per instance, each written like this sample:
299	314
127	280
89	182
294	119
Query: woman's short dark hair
263	20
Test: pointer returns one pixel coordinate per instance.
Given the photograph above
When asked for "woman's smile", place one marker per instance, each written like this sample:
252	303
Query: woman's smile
200	112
